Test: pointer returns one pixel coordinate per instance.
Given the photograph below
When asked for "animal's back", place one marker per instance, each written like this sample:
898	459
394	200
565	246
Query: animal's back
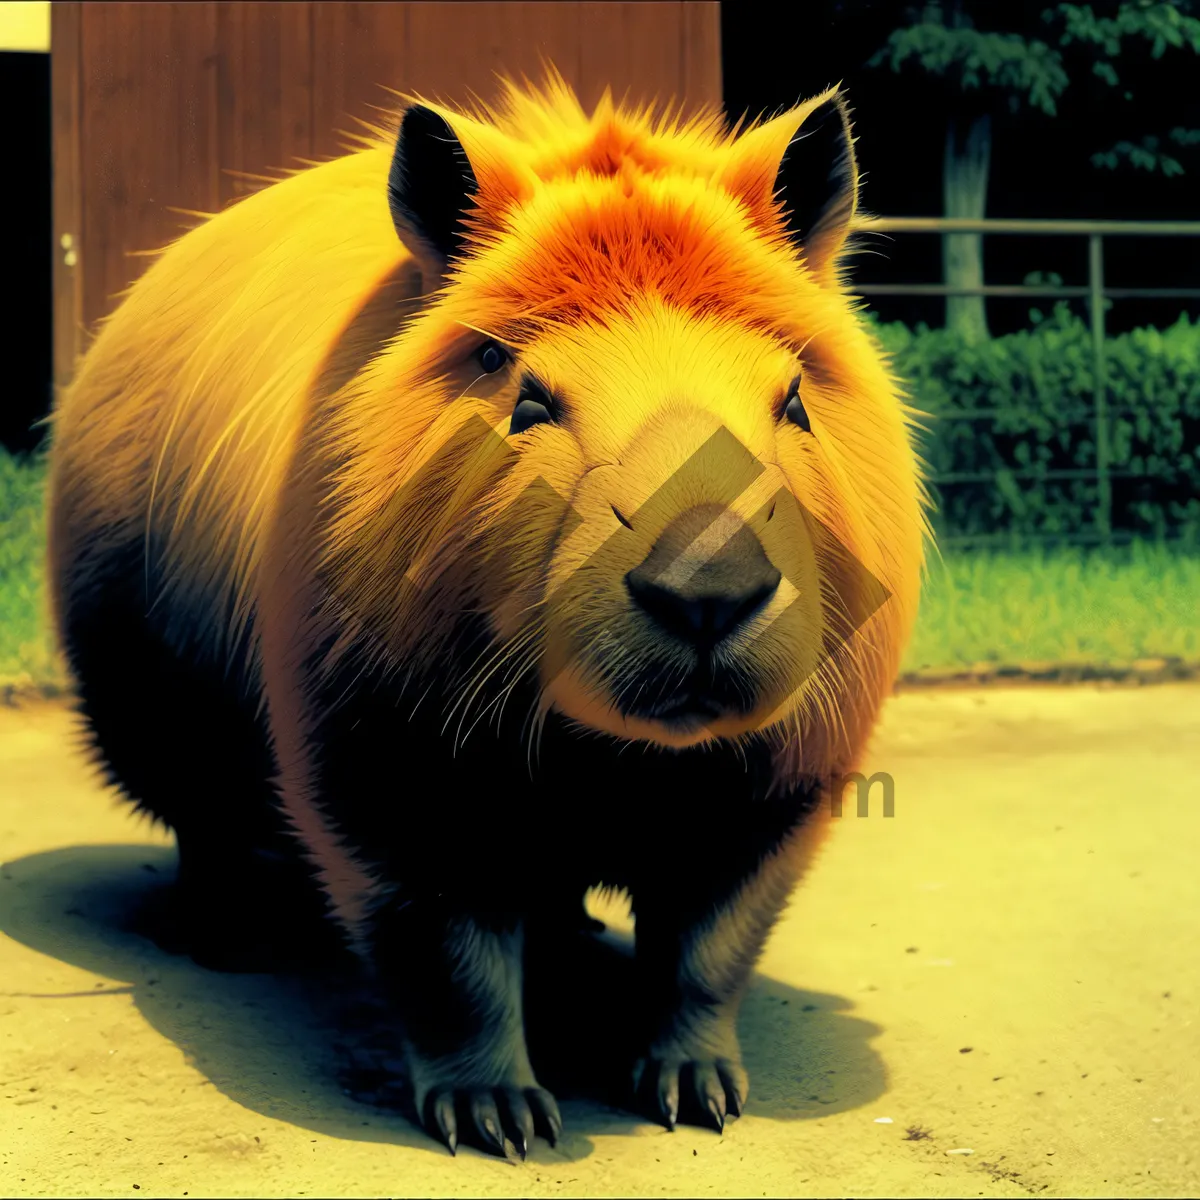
180	421
168	450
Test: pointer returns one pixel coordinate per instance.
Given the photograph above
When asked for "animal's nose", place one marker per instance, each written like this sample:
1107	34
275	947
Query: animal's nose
706	575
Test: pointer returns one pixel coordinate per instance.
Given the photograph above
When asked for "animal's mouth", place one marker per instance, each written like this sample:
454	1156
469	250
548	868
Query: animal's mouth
686	709
705	695
662	702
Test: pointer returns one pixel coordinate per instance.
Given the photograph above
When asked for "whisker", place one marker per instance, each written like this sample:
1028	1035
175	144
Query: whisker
478	686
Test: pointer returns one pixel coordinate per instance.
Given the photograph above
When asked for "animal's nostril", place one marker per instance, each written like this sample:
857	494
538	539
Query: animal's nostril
756	599
679	614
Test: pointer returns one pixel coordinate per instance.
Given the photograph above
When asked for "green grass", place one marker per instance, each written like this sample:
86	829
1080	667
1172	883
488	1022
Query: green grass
1065	605
26	644
1109	606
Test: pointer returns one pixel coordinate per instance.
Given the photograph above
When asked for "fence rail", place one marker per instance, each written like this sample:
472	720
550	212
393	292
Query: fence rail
1096	293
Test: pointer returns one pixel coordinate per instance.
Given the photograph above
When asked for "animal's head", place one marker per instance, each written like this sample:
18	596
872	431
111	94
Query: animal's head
639	428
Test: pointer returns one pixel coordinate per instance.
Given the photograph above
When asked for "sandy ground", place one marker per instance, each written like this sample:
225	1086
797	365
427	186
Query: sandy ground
991	993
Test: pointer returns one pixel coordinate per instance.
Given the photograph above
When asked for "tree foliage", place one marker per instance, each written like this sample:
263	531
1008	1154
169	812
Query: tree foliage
1025	66
1026	70
1163	23
1162	26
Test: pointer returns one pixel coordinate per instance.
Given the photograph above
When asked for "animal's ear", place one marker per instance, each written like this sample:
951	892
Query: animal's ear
450	178
799	171
431	184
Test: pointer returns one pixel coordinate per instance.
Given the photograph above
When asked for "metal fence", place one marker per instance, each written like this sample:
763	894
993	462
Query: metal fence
1096	292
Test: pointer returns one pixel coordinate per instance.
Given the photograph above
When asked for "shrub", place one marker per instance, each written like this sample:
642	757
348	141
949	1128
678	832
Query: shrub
1019	407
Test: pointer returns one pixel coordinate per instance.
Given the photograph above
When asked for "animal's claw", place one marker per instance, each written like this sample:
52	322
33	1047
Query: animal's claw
494	1119
692	1091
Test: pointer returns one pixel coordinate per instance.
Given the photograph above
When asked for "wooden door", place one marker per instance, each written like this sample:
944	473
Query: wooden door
154	105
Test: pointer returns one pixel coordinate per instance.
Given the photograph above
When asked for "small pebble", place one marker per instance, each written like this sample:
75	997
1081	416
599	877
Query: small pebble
883	1120
964	1151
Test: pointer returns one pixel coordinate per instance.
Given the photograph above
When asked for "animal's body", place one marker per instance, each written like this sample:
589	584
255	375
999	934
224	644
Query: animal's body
511	506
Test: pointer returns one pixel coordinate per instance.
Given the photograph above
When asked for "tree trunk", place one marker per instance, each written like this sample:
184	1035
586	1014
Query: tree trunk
964	191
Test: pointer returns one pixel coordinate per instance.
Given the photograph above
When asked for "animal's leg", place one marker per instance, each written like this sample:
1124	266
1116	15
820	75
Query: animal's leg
456	984
238	907
694	959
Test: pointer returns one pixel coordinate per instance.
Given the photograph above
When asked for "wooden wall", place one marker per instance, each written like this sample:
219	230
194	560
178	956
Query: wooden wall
154	104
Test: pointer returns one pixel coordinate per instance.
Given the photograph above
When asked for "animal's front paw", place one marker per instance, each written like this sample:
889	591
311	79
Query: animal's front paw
488	1117
697	1091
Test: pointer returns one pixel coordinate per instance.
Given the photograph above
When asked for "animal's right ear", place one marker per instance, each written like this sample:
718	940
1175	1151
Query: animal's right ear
450	179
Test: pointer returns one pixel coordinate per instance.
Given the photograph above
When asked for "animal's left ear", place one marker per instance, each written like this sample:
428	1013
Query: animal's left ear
451	180
799	171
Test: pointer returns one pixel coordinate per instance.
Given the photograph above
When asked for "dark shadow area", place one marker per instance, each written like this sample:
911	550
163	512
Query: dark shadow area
314	1048
28	248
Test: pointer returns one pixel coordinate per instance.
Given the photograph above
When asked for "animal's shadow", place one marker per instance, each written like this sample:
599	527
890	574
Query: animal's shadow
313	1049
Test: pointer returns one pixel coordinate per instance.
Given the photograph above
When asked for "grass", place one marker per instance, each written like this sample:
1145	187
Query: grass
1096	606
1002	608
26	643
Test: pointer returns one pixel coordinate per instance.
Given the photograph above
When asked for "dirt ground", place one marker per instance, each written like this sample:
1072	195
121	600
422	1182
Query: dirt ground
991	993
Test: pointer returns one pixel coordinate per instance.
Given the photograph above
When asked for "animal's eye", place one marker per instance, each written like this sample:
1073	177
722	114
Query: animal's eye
794	410
491	357
535	406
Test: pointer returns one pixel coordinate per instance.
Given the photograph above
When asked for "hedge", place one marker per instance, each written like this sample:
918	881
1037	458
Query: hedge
1039	384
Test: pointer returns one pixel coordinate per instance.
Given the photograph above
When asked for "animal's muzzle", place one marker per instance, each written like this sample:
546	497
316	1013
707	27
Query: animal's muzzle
705	578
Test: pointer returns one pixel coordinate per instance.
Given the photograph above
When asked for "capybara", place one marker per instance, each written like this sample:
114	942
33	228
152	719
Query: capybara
514	505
